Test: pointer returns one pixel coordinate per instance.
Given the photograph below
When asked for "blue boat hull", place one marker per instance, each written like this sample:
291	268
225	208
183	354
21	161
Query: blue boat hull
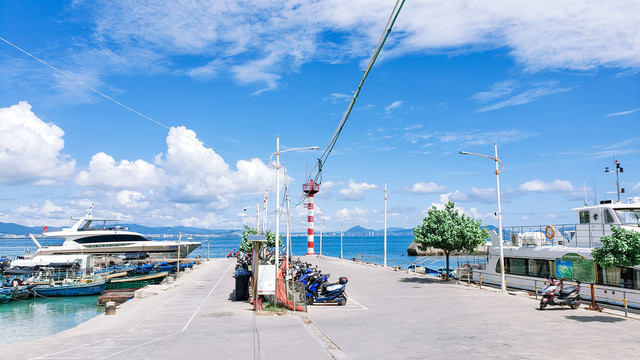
5	295
70	289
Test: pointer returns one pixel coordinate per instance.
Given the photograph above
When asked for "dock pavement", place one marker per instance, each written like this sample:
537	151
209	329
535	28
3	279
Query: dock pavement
389	315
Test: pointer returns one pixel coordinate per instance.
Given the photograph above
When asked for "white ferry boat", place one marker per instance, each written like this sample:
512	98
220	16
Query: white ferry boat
531	254
97	236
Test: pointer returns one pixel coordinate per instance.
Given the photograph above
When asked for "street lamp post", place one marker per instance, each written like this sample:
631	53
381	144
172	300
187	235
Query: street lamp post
386	195
503	286
321	216
276	165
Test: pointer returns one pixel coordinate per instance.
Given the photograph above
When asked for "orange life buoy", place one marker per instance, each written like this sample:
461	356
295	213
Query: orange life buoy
550	232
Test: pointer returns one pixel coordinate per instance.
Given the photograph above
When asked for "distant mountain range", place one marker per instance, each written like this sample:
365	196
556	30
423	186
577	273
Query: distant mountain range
15	229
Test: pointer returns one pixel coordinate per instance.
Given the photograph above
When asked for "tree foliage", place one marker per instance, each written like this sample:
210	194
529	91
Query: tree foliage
449	231
246	245
622	248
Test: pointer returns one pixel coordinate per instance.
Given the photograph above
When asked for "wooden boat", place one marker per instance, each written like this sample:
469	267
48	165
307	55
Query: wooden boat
136	282
72	288
23	292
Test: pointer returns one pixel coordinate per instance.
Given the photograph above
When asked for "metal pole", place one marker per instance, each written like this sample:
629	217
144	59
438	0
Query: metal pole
385	224
503	286
617	182
340	241
277	250
321	216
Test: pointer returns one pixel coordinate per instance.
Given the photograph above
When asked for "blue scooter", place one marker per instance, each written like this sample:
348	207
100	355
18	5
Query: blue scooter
319	290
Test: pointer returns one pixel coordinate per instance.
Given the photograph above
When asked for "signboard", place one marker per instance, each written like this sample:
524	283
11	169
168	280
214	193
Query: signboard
266	280
575	267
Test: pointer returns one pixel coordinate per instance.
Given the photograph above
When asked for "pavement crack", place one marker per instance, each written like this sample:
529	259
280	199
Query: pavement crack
330	347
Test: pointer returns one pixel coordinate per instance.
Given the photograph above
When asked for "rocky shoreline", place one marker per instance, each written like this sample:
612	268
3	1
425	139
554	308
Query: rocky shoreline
413	250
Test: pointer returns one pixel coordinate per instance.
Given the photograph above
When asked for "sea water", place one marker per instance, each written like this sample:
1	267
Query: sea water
34	318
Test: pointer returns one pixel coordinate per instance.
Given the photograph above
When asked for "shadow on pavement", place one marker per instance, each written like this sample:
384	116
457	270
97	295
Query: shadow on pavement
421	280
596	318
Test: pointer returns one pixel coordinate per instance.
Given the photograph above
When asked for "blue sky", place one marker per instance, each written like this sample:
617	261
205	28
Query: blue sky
555	85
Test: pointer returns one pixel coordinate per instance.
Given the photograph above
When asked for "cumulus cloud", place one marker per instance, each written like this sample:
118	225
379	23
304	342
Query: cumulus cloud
105	172
355	215
30	149
354	191
427	188
196	173
541	186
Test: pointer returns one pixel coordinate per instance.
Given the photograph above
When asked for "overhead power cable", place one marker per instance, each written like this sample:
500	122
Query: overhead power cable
101	93
334	139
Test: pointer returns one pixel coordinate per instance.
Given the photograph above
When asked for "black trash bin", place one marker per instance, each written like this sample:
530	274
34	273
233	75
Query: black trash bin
242	284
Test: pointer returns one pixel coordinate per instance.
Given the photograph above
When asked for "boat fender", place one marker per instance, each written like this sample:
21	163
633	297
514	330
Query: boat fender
550	232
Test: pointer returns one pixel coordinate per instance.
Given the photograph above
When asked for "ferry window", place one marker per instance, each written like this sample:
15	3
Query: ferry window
517	266
636	276
608	218
626	277
611	276
539	268
584	217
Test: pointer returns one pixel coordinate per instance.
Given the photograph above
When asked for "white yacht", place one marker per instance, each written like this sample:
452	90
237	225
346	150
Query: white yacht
531	254
91	235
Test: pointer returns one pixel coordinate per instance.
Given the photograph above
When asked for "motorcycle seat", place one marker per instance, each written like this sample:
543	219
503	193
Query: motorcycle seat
332	287
568	290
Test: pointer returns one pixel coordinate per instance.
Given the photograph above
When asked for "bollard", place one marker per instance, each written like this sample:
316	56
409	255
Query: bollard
110	308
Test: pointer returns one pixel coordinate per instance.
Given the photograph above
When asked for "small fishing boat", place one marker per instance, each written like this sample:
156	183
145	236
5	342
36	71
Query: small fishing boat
136	282
76	287
6	294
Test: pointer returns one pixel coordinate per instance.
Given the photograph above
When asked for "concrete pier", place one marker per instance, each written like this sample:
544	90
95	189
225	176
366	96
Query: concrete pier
389	315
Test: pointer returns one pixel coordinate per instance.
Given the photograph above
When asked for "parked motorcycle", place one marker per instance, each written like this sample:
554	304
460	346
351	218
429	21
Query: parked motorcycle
319	290
556	294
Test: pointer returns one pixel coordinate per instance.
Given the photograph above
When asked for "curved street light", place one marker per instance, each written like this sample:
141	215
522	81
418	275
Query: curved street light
503	286
277	166
386	195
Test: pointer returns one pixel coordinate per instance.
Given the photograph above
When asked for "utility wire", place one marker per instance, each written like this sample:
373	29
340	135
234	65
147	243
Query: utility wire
334	139
102	94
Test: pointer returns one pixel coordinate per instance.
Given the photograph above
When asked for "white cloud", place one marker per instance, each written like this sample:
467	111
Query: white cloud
355	215
486	137
132	200
623	113
472	212
354	191
541	186
261	39
104	172
427	188
394	105
198	174
539	91
497	90
30	149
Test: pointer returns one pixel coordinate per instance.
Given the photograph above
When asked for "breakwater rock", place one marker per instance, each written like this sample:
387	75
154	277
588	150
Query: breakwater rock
414	250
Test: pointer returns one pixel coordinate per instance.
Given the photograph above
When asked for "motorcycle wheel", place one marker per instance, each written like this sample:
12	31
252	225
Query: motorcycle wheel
342	300
310	300
574	305
543	305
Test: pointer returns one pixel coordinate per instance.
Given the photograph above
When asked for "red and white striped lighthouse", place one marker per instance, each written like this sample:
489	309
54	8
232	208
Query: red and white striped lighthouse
310	189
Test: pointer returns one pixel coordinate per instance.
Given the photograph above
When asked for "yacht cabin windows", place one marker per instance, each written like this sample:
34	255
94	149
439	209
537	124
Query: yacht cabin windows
608	217
584	217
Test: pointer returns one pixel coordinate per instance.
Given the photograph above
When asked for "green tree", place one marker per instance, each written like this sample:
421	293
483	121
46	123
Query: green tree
449	231
622	248
246	245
